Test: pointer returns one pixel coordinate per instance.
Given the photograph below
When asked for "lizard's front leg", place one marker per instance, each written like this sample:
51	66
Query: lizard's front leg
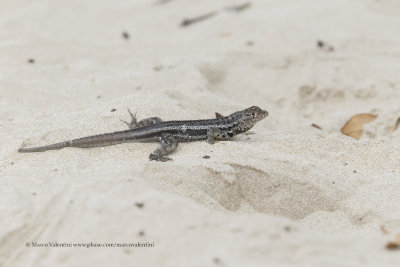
214	134
168	145
145	122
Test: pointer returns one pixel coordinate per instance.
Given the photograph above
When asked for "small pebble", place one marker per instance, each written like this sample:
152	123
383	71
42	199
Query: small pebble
217	260
139	205
125	35
250	43
158	67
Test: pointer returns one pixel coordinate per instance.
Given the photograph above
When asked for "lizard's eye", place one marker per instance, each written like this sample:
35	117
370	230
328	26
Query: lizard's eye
253	114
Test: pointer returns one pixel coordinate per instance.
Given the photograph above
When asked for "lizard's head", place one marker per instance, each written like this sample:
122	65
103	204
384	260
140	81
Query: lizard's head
254	114
248	117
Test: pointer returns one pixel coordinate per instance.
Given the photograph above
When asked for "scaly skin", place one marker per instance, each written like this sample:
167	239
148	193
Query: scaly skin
168	133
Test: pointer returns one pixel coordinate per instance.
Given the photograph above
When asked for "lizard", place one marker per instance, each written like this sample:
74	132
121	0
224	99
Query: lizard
167	133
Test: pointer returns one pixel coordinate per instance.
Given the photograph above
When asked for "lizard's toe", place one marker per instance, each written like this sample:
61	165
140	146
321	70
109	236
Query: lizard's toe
164	159
211	141
159	158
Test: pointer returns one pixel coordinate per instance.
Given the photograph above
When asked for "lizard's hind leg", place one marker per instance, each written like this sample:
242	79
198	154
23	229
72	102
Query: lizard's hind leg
137	124
148	121
168	145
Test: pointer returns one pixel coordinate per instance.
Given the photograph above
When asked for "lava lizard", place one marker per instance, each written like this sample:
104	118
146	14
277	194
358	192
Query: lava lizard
168	133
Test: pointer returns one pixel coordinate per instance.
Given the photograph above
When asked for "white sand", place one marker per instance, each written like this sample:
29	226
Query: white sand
289	195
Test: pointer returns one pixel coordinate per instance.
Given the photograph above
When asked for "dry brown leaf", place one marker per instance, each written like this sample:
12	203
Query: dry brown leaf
354	126
394	245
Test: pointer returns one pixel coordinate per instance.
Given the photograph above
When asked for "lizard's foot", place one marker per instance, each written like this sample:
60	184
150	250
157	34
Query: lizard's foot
213	134
211	141
168	145
133	123
159	158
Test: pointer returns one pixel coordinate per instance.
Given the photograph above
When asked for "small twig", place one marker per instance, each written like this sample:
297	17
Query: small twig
188	22
384	230
396	125
239	8
316	126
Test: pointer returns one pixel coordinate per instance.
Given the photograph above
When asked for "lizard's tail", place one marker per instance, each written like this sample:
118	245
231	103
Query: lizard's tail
90	141
44	148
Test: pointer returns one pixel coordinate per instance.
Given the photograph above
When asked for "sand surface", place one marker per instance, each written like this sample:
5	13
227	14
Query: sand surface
287	195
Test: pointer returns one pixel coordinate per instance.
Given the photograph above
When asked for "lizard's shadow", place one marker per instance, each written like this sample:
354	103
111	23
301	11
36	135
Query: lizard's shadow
235	187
